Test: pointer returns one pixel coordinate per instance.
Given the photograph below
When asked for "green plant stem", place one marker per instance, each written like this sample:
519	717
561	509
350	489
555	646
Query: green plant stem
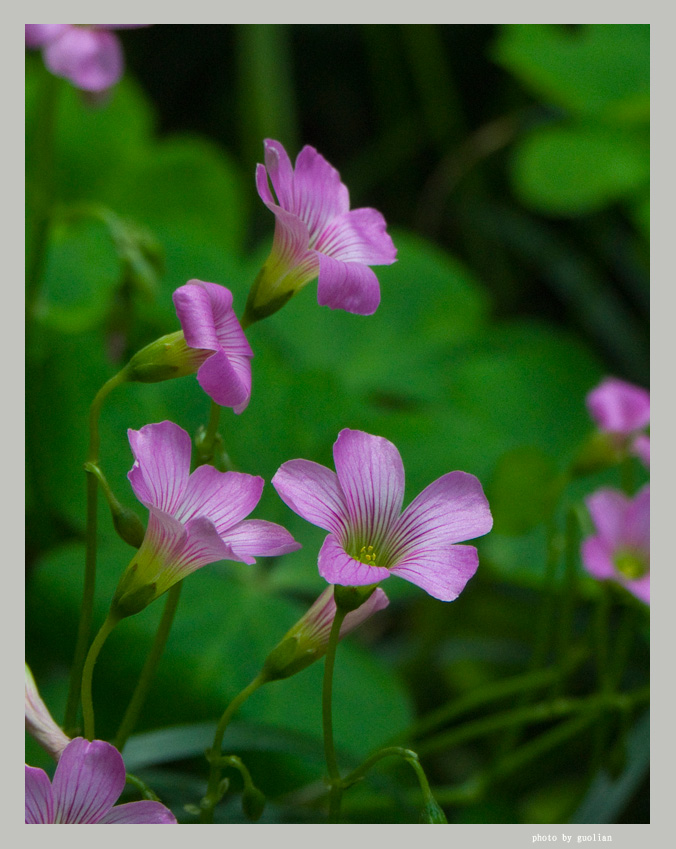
211	797
87	608
88	674
336	786
140	693
571	554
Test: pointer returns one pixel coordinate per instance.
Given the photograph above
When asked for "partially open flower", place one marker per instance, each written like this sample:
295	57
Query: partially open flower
316	235
620	549
622	411
89	779
39	722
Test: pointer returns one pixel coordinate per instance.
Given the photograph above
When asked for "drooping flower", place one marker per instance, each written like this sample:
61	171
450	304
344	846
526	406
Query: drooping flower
89	56
316	234
308	640
209	324
195	519
369	537
89	779
39	722
620	549
622	411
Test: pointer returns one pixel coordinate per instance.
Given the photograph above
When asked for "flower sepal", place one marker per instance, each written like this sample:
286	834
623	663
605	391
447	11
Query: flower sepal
351	598
164	359
132	594
263	300
289	657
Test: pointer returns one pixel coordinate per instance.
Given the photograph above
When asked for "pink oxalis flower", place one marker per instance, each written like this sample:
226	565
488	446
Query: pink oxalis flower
369	537
622	411
89	56
195	519
89	779
620	549
210	325
317	234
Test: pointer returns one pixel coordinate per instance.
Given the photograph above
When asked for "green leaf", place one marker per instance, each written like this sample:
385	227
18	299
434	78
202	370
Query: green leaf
601	70
564	170
524	490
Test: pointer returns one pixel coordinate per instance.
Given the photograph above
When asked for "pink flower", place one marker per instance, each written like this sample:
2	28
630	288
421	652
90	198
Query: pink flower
308	640
89	779
39	722
195	519
622	410
210	325
316	234
88	55
370	538
620	549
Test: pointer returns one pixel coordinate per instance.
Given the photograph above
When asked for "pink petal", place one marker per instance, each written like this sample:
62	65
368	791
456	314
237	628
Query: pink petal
619	407
91	60
358	236
291	242
597	558
257	538
371	475
348	286
442	573
118	26
375	602
195	304
141	813
88	781
641	448
39	722
337	567
637	531
452	509
165	537
608	510
312	491
640	588
162	464
37	35
204	546
227	380
225	498
319	196
39	800
280	170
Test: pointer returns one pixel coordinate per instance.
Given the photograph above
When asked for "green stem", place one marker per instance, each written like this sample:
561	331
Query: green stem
211	797
571	553
335	793
87	608
88	673
140	693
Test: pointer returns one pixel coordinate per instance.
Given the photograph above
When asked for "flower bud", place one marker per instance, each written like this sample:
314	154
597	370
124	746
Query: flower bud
165	358
39	722
432	813
253	803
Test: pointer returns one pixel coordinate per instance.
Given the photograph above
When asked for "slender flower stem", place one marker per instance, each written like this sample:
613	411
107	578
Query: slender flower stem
327	718
571	553
140	693
212	797
87	609
88	673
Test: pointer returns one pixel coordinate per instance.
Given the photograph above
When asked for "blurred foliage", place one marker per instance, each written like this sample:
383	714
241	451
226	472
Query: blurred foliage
511	164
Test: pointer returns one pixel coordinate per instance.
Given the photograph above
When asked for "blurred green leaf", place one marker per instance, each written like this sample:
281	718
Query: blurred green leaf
599	70
573	170
524	490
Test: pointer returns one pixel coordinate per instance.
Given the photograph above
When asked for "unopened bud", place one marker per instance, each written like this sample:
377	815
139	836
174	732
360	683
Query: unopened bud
253	803
167	357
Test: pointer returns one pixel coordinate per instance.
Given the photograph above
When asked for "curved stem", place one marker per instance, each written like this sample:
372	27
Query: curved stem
211	797
88	674
87	608
327	718
140	693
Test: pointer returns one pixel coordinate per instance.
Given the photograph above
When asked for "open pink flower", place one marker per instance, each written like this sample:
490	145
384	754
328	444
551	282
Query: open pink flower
622	410
316	234
209	324
89	779
89	56
370	538
195	519
620	549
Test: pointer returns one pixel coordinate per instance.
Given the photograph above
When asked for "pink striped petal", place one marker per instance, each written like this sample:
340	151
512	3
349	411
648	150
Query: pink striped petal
619	407
319	196
597	558
253	538
349	286
358	236
337	567
141	813
225	498
39	799
89	779
227	380
442	573
280	170
160	472
313	491
204	545
92	61
196	303
371	476
608	510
